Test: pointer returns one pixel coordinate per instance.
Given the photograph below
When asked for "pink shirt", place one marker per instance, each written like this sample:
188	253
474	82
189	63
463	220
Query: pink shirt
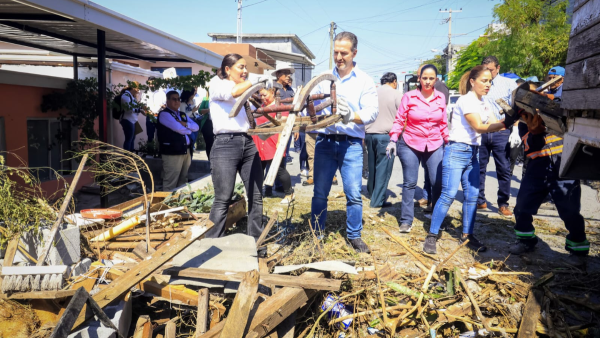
426	122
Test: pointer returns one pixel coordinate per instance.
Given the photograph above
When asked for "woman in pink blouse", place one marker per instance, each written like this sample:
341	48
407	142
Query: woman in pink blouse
418	135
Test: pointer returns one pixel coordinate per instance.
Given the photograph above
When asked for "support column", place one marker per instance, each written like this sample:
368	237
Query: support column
102	117
75	68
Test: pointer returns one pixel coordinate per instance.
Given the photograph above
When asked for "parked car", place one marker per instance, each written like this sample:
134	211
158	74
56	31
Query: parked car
451	104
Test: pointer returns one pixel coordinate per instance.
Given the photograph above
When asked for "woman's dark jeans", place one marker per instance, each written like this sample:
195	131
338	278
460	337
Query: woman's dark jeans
282	175
232	154
411	159
129	131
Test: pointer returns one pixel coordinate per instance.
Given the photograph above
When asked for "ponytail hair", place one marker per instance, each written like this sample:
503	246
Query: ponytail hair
474	74
228	61
427	66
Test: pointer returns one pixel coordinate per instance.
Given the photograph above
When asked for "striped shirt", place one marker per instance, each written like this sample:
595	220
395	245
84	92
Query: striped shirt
502	88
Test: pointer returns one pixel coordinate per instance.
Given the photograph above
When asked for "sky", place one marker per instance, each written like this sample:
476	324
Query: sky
393	35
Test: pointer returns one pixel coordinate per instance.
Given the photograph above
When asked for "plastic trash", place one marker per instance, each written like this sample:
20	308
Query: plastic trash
337	311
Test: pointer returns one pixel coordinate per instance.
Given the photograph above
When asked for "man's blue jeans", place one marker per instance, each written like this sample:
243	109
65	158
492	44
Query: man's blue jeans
129	132
410	159
496	144
460	166
347	156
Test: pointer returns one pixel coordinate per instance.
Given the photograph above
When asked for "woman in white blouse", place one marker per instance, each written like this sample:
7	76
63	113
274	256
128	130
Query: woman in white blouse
234	150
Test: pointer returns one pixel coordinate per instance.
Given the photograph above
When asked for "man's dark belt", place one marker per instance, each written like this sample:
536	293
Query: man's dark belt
340	137
230	135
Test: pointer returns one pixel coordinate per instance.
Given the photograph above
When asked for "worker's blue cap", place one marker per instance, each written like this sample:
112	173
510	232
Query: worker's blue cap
558	70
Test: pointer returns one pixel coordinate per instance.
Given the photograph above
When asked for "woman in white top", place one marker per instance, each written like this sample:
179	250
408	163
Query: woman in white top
471	117
130	116
233	150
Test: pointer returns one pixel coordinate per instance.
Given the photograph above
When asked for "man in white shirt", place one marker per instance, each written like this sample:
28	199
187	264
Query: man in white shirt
174	129
496	144
339	146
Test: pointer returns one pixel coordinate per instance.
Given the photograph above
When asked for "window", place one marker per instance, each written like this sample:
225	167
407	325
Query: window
48	145
181	71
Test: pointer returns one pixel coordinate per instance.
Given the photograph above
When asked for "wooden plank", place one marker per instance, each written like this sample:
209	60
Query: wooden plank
528	100
146	268
267	229
142	250
578	3
170	330
236	212
287	327
65	323
531	314
584	45
202	317
61	213
265	278
274	310
281	146
235	323
11	251
581	99
169	293
583	74
586	16
143	327
41	294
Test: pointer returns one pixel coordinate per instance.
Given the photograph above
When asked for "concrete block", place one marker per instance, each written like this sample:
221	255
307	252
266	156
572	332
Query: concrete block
65	250
81	267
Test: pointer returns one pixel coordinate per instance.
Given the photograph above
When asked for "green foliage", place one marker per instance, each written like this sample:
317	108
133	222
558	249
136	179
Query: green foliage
80	100
439	62
20	208
535	39
148	147
467	59
201	200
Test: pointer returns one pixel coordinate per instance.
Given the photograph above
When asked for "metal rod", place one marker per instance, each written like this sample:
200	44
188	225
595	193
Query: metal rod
102	118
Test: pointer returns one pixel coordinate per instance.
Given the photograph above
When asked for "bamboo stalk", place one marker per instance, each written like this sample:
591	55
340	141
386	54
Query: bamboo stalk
406	247
452	254
458	276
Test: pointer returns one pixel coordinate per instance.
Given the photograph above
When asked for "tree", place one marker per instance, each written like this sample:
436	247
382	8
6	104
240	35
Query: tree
467	59
534	37
439	62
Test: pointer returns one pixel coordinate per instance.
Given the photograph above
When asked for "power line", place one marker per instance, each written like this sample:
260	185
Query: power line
256	3
389	13
327	25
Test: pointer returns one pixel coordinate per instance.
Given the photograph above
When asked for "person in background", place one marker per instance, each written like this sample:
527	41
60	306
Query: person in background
418	134
153	113
130	115
514	140
339	146
234	150
496	144
283	76
266	150
471	117
556	88
544	151
190	109
206	125
174	130
377	137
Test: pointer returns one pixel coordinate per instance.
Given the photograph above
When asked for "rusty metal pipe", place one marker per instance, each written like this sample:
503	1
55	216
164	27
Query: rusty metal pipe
312	97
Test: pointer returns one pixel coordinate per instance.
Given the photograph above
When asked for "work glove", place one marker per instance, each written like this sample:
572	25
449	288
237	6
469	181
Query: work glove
390	150
344	109
268	82
509	120
514	139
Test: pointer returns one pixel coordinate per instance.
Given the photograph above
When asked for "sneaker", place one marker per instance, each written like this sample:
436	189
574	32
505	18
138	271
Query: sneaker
430	244
287	200
422	202
334	182
308	182
405	228
304	173
505	211
359	245
474	243
482	206
520	248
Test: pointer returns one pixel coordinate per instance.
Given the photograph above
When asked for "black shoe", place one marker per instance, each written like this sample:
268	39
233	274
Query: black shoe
386	205
430	244
279	188
428	209
474	243
520	248
359	246
269	192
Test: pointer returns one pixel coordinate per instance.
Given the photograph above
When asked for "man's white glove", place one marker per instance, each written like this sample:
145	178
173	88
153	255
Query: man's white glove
514	140
390	150
344	110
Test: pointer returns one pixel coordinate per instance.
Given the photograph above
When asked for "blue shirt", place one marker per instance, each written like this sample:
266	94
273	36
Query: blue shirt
502	88
557	93
359	91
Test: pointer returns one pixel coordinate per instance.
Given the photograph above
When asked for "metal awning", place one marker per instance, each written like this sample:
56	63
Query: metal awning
70	27
286	57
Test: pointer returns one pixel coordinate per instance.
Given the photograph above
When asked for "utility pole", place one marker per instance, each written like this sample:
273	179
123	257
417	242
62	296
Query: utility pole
449	63
332	28
239	22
